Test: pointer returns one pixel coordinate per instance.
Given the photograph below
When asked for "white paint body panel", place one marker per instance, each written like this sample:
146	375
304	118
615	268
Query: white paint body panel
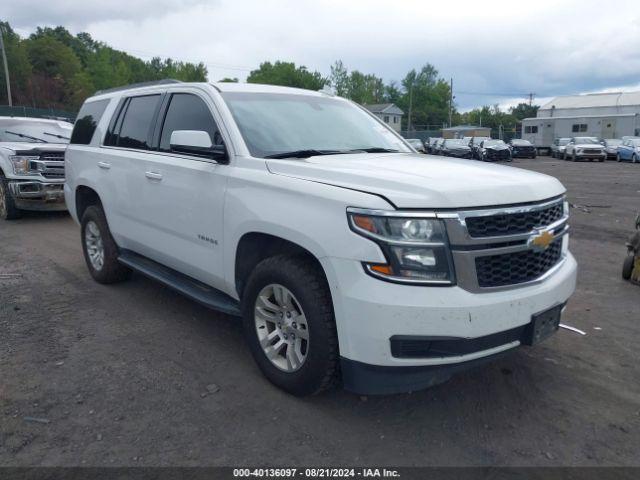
305	202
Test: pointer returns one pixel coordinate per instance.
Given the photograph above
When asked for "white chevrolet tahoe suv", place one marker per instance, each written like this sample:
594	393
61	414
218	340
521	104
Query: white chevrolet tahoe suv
31	165
348	255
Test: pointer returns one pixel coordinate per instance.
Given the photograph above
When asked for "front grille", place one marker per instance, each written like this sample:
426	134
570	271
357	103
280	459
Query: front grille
513	223
498	154
517	267
591	151
54	156
51	165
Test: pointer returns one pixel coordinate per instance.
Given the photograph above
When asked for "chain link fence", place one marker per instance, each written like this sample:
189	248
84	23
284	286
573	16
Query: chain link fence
50	113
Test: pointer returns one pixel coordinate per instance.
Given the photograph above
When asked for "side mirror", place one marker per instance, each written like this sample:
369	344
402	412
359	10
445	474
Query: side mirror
197	142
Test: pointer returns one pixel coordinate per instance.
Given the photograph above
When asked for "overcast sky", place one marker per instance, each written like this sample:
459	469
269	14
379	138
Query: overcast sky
496	51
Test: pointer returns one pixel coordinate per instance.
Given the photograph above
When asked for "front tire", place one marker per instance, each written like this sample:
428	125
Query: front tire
634	158
100	249
8	210
618	158
289	325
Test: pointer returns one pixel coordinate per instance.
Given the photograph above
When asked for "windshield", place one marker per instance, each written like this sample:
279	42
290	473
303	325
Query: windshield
586	140
277	123
492	143
563	141
33	131
524	143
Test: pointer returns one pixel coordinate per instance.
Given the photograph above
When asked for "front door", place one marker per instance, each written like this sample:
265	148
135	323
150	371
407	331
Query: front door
182	197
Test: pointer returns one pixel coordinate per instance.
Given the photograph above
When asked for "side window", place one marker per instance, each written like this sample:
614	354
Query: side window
87	121
386	119
187	112
136	124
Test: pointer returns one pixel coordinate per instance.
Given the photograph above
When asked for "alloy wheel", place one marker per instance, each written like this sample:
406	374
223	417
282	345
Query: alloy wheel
95	247
282	327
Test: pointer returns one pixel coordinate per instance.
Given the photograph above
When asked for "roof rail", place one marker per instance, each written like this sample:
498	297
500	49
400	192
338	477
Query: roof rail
164	81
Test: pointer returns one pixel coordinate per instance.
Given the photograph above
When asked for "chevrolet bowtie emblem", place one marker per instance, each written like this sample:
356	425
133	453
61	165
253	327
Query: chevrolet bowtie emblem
541	241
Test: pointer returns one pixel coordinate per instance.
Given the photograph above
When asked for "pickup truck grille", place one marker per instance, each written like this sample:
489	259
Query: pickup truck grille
517	267
50	165
510	224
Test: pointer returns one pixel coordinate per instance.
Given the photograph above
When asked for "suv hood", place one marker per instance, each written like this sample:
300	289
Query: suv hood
415	181
26	146
588	145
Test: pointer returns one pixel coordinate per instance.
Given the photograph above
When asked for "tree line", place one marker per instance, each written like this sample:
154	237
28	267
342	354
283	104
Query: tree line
54	69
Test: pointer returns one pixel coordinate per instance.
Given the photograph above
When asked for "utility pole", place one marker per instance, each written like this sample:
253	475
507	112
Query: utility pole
531	95
6	66
450	100
410	106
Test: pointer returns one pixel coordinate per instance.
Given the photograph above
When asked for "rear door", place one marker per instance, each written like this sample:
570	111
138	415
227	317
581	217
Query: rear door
126	146
181	196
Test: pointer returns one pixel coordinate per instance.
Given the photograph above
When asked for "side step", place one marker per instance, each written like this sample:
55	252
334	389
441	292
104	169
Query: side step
190	287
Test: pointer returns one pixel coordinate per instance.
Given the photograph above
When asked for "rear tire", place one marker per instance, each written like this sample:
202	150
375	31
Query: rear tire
8	210
100	249
627	267
314	370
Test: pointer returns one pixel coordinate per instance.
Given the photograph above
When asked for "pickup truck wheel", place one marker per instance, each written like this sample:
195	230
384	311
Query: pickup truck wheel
100	250
8	210
627	267
289	324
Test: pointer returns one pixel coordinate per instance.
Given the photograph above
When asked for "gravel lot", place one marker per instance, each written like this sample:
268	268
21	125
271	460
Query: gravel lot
118	375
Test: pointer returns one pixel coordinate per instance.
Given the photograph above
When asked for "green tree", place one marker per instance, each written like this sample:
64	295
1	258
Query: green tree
524	110
20	68
428	96
287	74
228	80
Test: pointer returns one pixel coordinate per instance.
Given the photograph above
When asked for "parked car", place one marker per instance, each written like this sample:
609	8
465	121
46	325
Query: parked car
491	150
522	148
433	142
558	146
456	147
417	144
343	251
585	148
437	148
31	165
611	147
629	150
475	145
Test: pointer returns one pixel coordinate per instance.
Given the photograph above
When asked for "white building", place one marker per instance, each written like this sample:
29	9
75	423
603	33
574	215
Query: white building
604	115
389	113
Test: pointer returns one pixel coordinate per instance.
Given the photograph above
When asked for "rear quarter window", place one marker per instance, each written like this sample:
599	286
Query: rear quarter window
87	121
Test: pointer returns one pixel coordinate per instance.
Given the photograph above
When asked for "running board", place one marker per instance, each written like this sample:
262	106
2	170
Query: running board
189	287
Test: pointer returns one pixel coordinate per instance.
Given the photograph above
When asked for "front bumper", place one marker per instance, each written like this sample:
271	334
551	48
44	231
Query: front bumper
37	195
595	156
369	312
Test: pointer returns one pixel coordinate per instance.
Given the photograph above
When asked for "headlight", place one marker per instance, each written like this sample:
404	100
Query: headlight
21	164
416	249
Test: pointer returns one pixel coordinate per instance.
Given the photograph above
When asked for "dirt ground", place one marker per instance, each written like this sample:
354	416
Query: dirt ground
96	375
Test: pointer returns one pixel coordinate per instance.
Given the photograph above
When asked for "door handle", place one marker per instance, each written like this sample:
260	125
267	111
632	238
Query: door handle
153	175
104	165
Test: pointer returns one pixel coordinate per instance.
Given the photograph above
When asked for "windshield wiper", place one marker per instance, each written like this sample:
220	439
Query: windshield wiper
375	150
24	135
305	153
57	136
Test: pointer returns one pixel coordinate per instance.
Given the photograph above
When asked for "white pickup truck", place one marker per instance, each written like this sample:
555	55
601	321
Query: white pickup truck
31	165
348	256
